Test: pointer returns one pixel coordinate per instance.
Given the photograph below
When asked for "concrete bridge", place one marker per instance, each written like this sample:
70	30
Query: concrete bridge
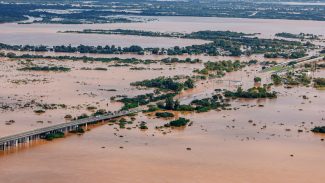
228	80
297	60
25	137
312	60
236	82
281	67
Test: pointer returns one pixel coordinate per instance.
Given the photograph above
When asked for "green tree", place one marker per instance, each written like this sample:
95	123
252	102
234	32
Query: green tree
169	103
176	105
257	79
189	83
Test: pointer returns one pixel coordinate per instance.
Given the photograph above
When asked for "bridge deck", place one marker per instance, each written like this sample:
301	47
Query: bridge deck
84	121
308	59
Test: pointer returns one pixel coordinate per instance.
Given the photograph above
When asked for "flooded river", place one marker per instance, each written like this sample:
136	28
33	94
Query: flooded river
47	34
264	140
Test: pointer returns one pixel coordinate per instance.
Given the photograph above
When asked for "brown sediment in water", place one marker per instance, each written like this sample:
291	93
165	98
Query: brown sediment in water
251	144
224	145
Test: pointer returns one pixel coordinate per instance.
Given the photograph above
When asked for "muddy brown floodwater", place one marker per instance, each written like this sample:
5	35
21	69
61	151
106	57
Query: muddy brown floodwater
224	146
265	140
47	34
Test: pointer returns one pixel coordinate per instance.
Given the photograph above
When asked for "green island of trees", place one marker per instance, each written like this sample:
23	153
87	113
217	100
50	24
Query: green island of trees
164	114
292	78
257	79
220	43
178	123
276	79
45	68
254	92
319	129
218	69
290	55
165	83
176	60
145	99
296	36
126	32
169	60
198	105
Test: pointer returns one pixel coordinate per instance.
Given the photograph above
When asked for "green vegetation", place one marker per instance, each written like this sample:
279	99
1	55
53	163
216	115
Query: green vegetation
220	43
100	69
126	32
145	99
164	114
176	60
58	13
82	116
257	79
143	126
170	104
218	69
255	92
187	108
83	58
122	122
206	35
178	123
152	108
122	11
51	136
290	55
231	43
203	105
164	83
99	112
45	68
319	129
277	80
207	104
292	78
39	111
78	130
252	62
189	83
319	82
297	36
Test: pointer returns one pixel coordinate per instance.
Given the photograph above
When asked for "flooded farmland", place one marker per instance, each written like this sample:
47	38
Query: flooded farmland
256	140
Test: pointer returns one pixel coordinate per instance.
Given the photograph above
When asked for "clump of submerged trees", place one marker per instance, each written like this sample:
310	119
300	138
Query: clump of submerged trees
166	83
254	92
52	136
218	69
139	100
297	78
221	43
164	114
319	82
178	123
45	68
319	129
